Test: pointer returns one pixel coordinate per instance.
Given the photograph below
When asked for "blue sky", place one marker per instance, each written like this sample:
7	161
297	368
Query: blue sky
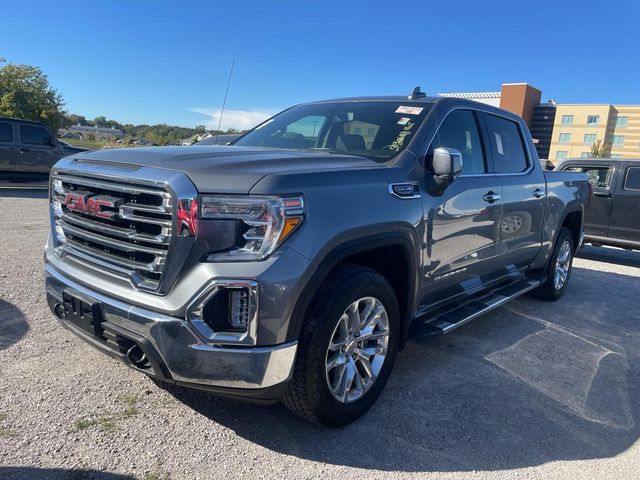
168	61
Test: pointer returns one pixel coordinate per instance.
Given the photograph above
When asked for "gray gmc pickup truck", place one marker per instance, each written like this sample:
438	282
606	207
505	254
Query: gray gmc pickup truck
294	264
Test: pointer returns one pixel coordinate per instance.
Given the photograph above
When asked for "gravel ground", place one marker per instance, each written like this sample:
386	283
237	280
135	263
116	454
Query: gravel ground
533	389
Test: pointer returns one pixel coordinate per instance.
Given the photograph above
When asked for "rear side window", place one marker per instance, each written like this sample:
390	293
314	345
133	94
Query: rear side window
460	131
506	142
599	177
5	132
632	182
34	135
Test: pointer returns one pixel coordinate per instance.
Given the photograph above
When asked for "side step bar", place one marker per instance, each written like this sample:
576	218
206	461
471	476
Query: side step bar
453	318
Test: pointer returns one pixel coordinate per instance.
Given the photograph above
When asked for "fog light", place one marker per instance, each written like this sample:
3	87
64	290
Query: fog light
227	313
239	309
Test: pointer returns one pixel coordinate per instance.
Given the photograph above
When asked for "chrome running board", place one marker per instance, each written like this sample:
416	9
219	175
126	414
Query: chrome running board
449	320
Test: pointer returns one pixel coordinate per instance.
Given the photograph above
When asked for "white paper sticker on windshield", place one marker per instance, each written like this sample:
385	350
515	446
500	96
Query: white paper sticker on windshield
499	143
409	110
403	121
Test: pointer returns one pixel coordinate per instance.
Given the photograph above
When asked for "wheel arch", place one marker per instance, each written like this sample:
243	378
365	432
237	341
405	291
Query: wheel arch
372	251
573	221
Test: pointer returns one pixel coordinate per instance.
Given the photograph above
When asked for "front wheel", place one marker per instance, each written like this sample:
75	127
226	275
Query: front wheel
559	268
346	349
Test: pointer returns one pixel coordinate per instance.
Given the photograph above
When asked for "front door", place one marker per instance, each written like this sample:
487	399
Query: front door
461	224
625	221
37	149
597	218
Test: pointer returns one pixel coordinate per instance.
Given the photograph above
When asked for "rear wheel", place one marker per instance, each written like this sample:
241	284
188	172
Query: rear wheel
559	268
346	349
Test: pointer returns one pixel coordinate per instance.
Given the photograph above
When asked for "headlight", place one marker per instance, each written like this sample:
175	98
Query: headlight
265	222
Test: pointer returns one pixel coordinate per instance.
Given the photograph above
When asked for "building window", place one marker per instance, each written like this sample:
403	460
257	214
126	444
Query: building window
616	155
585	154
561	154
565	138
357	131
567	119
593	119
590	138
618	139
622	121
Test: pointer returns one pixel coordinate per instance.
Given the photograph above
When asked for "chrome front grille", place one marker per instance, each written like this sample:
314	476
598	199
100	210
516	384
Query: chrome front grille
123	228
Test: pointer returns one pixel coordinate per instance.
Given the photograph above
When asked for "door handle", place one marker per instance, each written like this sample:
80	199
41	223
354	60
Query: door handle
491	197
538	193
602	194
22	150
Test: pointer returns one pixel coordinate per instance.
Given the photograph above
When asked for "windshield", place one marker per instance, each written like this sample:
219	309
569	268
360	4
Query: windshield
379	130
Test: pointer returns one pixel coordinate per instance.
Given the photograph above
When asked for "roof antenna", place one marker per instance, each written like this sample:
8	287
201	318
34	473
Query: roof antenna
224	102
417	93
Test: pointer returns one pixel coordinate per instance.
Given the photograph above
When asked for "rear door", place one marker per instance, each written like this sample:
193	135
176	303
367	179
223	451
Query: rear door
37	148
601	175
625	221
8	150
461	224
523	192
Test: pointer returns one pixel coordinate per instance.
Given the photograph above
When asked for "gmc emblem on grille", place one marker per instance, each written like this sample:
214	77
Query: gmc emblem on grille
92	205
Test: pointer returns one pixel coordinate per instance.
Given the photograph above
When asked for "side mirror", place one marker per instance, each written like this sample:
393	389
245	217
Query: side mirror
447	163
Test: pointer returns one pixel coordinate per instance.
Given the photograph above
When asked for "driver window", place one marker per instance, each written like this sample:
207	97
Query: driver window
460	131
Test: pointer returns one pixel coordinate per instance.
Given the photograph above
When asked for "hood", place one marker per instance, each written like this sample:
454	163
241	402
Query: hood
228	169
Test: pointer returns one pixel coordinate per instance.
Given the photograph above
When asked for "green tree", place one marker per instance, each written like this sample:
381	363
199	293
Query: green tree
598	149
25	93
100	121
72	119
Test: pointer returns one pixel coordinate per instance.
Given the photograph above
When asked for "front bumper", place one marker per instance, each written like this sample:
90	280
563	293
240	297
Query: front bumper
175	353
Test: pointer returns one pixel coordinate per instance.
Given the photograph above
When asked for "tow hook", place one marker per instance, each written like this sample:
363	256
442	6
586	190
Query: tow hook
58	309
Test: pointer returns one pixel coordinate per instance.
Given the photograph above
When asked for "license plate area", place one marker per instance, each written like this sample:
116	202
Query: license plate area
84	312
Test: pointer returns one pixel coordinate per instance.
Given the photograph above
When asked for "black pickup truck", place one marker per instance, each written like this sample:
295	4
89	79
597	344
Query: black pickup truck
612	217
28	149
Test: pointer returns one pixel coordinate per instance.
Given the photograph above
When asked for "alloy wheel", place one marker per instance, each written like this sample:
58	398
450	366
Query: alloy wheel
563	264
357	349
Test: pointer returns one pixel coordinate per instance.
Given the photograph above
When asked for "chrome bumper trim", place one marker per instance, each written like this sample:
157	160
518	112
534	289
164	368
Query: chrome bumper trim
187	358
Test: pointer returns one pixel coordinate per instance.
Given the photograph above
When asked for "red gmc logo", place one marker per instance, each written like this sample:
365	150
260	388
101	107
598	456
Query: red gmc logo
92	205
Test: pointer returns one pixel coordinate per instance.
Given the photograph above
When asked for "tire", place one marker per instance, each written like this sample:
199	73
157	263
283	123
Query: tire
549	290
309	394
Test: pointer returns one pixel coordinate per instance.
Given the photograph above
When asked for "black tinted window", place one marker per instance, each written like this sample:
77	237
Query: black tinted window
633	179
5	132
506	143
599	177
460	131
379	130
34	135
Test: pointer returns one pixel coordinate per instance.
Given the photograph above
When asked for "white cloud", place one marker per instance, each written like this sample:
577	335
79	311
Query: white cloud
238	119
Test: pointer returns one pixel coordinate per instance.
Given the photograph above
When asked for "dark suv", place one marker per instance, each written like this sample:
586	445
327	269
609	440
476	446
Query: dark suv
29	149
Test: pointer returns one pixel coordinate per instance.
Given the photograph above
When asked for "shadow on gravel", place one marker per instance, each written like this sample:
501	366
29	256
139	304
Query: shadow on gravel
31	473
13	325
530	383
610	255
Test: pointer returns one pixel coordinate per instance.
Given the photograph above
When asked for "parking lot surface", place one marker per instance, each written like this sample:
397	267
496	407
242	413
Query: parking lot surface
531	390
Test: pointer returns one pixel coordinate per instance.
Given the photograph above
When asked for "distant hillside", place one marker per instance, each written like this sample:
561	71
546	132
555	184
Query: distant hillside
161	134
